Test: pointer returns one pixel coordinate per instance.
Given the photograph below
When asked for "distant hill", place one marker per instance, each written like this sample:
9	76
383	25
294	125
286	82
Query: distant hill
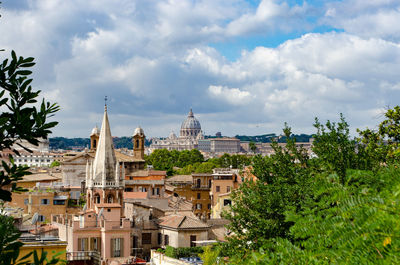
126	142
266	138
80	143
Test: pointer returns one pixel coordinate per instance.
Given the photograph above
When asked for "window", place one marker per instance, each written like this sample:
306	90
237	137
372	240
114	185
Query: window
95	243
209	206
209	183
146	238
227	202
198	196
83	244
198	183
41	218
198	206
97	198
108	210
228	188
192	239
166	239
217	188
159	239
116	247
58	202
134	242
44	202
26	201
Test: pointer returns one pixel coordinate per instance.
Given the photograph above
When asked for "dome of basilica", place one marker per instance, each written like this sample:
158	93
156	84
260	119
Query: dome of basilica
190	127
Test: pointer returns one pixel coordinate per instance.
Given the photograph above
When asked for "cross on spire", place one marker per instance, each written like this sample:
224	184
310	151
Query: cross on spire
105	103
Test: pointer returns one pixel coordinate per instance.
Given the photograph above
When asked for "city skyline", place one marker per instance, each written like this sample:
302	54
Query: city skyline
245	67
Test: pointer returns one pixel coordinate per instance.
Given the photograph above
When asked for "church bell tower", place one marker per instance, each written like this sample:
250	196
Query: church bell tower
138	140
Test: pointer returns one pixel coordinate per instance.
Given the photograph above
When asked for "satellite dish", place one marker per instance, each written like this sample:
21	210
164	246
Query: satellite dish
35	218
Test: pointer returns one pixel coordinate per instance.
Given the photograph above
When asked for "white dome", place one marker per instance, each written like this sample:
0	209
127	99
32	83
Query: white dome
172	136
191	122
95	131
138	131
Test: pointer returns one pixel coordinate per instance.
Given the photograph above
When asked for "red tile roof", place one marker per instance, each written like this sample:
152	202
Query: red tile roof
135	195
182	222
108	205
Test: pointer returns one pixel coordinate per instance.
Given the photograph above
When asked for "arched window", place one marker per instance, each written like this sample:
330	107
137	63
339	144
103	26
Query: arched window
94	143
96	198
110	198
137	143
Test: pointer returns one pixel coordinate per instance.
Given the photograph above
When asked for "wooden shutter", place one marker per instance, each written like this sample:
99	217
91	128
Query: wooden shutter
79	244
112	247
86	240
122	247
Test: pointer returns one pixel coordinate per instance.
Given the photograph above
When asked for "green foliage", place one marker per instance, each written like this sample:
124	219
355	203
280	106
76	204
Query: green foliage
335	150
9	246
20	120
55	163
177	253
210	256
170	252
329	210
257	211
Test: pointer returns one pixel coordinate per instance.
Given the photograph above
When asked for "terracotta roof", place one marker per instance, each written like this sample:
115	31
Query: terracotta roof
180	178
182	222
146	173
135	195
41	177
126	158
43	229
108	205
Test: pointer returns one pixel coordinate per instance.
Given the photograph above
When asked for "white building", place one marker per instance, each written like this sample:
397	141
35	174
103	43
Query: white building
189	136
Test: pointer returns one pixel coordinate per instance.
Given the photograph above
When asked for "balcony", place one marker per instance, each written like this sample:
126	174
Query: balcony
197	187
144	182
89	257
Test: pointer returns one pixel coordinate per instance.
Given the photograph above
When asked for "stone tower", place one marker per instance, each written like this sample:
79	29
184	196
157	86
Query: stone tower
94	138
138	140
105	175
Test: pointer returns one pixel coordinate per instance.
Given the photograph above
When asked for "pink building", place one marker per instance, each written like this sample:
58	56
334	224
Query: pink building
101	229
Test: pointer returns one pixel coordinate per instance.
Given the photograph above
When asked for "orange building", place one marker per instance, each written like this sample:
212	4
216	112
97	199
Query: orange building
150	181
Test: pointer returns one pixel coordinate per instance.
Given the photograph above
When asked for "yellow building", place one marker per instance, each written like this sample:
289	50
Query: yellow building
53	246
223	203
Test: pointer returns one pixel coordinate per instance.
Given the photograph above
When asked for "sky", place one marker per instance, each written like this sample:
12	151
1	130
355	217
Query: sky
244	67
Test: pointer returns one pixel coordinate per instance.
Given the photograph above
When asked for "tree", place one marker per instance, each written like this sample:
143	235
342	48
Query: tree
258	208
20	120
55	163
253	147
334	148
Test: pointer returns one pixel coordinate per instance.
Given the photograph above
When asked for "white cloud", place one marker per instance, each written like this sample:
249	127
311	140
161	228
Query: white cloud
234	96
153	61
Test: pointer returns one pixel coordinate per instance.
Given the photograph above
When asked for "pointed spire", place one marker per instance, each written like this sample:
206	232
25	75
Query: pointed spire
105	160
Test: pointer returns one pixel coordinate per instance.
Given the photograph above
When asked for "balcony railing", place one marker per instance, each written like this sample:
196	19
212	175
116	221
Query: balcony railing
197	187
84	255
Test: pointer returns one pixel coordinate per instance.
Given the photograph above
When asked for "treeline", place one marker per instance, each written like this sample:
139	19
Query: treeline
268	138
186	162
70	143
341	207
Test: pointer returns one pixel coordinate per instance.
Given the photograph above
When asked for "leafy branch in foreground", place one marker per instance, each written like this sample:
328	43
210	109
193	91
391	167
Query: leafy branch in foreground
21	119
